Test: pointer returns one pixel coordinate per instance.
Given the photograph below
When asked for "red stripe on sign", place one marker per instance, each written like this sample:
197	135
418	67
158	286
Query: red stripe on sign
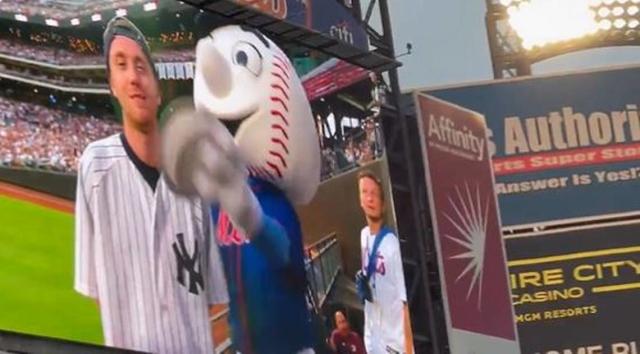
566	158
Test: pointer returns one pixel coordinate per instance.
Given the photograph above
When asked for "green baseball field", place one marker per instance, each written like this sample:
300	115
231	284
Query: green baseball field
36	275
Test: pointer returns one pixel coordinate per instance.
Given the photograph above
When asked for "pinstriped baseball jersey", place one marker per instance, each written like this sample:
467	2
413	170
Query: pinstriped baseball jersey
145	254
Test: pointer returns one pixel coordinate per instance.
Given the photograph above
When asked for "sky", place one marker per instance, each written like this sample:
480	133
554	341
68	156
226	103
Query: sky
450	45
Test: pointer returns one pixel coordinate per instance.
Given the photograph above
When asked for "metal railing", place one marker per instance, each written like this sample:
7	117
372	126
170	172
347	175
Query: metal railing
323	263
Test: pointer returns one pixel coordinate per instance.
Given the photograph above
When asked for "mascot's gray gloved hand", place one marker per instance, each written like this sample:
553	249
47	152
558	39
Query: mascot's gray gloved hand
199	157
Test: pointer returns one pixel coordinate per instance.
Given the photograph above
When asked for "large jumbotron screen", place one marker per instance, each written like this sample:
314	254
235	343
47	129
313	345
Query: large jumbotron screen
55	99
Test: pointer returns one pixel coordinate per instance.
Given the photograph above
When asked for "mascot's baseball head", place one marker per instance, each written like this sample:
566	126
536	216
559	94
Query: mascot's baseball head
246	81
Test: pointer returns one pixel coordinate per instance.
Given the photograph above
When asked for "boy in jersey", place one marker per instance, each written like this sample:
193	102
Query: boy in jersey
387	328
142	252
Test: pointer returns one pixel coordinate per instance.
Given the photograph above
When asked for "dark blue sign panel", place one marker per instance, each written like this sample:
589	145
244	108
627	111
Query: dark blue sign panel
577	291
564	147
326	16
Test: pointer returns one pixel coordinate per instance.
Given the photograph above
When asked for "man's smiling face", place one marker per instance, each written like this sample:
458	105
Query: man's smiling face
133	83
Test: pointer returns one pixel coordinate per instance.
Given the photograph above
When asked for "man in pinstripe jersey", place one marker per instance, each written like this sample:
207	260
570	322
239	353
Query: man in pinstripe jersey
143	252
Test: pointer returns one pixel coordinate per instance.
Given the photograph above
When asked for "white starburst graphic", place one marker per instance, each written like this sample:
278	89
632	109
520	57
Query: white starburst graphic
470	220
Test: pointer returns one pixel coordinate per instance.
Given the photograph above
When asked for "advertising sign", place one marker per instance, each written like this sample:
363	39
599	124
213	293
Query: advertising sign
328	17
579	290
564	147
467	228
330	77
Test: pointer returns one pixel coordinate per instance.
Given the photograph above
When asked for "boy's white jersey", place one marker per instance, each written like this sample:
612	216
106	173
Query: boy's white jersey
384	317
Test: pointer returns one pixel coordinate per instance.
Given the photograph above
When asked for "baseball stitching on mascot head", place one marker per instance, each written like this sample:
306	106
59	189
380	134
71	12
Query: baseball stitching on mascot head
245	80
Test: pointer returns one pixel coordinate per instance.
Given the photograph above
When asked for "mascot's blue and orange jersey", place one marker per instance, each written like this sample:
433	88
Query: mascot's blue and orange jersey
268	312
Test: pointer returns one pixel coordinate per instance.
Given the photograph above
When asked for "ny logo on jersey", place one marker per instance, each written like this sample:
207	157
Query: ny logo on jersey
227	234
188	264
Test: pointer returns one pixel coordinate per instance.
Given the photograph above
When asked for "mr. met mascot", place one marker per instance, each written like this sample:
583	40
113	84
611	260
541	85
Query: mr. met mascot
249	146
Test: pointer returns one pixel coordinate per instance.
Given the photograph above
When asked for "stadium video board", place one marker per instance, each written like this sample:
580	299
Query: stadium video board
97	247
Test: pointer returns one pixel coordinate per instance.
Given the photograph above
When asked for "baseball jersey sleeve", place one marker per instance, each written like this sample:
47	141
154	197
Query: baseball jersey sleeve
85	267
216	282
397	270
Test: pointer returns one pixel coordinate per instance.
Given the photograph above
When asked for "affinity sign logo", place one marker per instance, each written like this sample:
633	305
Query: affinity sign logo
469	218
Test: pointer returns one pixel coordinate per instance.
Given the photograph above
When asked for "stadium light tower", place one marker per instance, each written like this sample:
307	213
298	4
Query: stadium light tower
523	32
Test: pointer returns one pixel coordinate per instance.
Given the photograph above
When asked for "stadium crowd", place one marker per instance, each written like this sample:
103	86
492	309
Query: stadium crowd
59	10
61	56
36	136
174	55
39	137
360	147
46	54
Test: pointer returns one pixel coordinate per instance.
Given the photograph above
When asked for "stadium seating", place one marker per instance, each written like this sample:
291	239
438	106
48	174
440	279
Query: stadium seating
59	10
60	56
35	136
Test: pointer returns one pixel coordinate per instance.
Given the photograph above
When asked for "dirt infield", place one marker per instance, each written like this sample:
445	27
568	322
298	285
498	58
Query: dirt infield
43	199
